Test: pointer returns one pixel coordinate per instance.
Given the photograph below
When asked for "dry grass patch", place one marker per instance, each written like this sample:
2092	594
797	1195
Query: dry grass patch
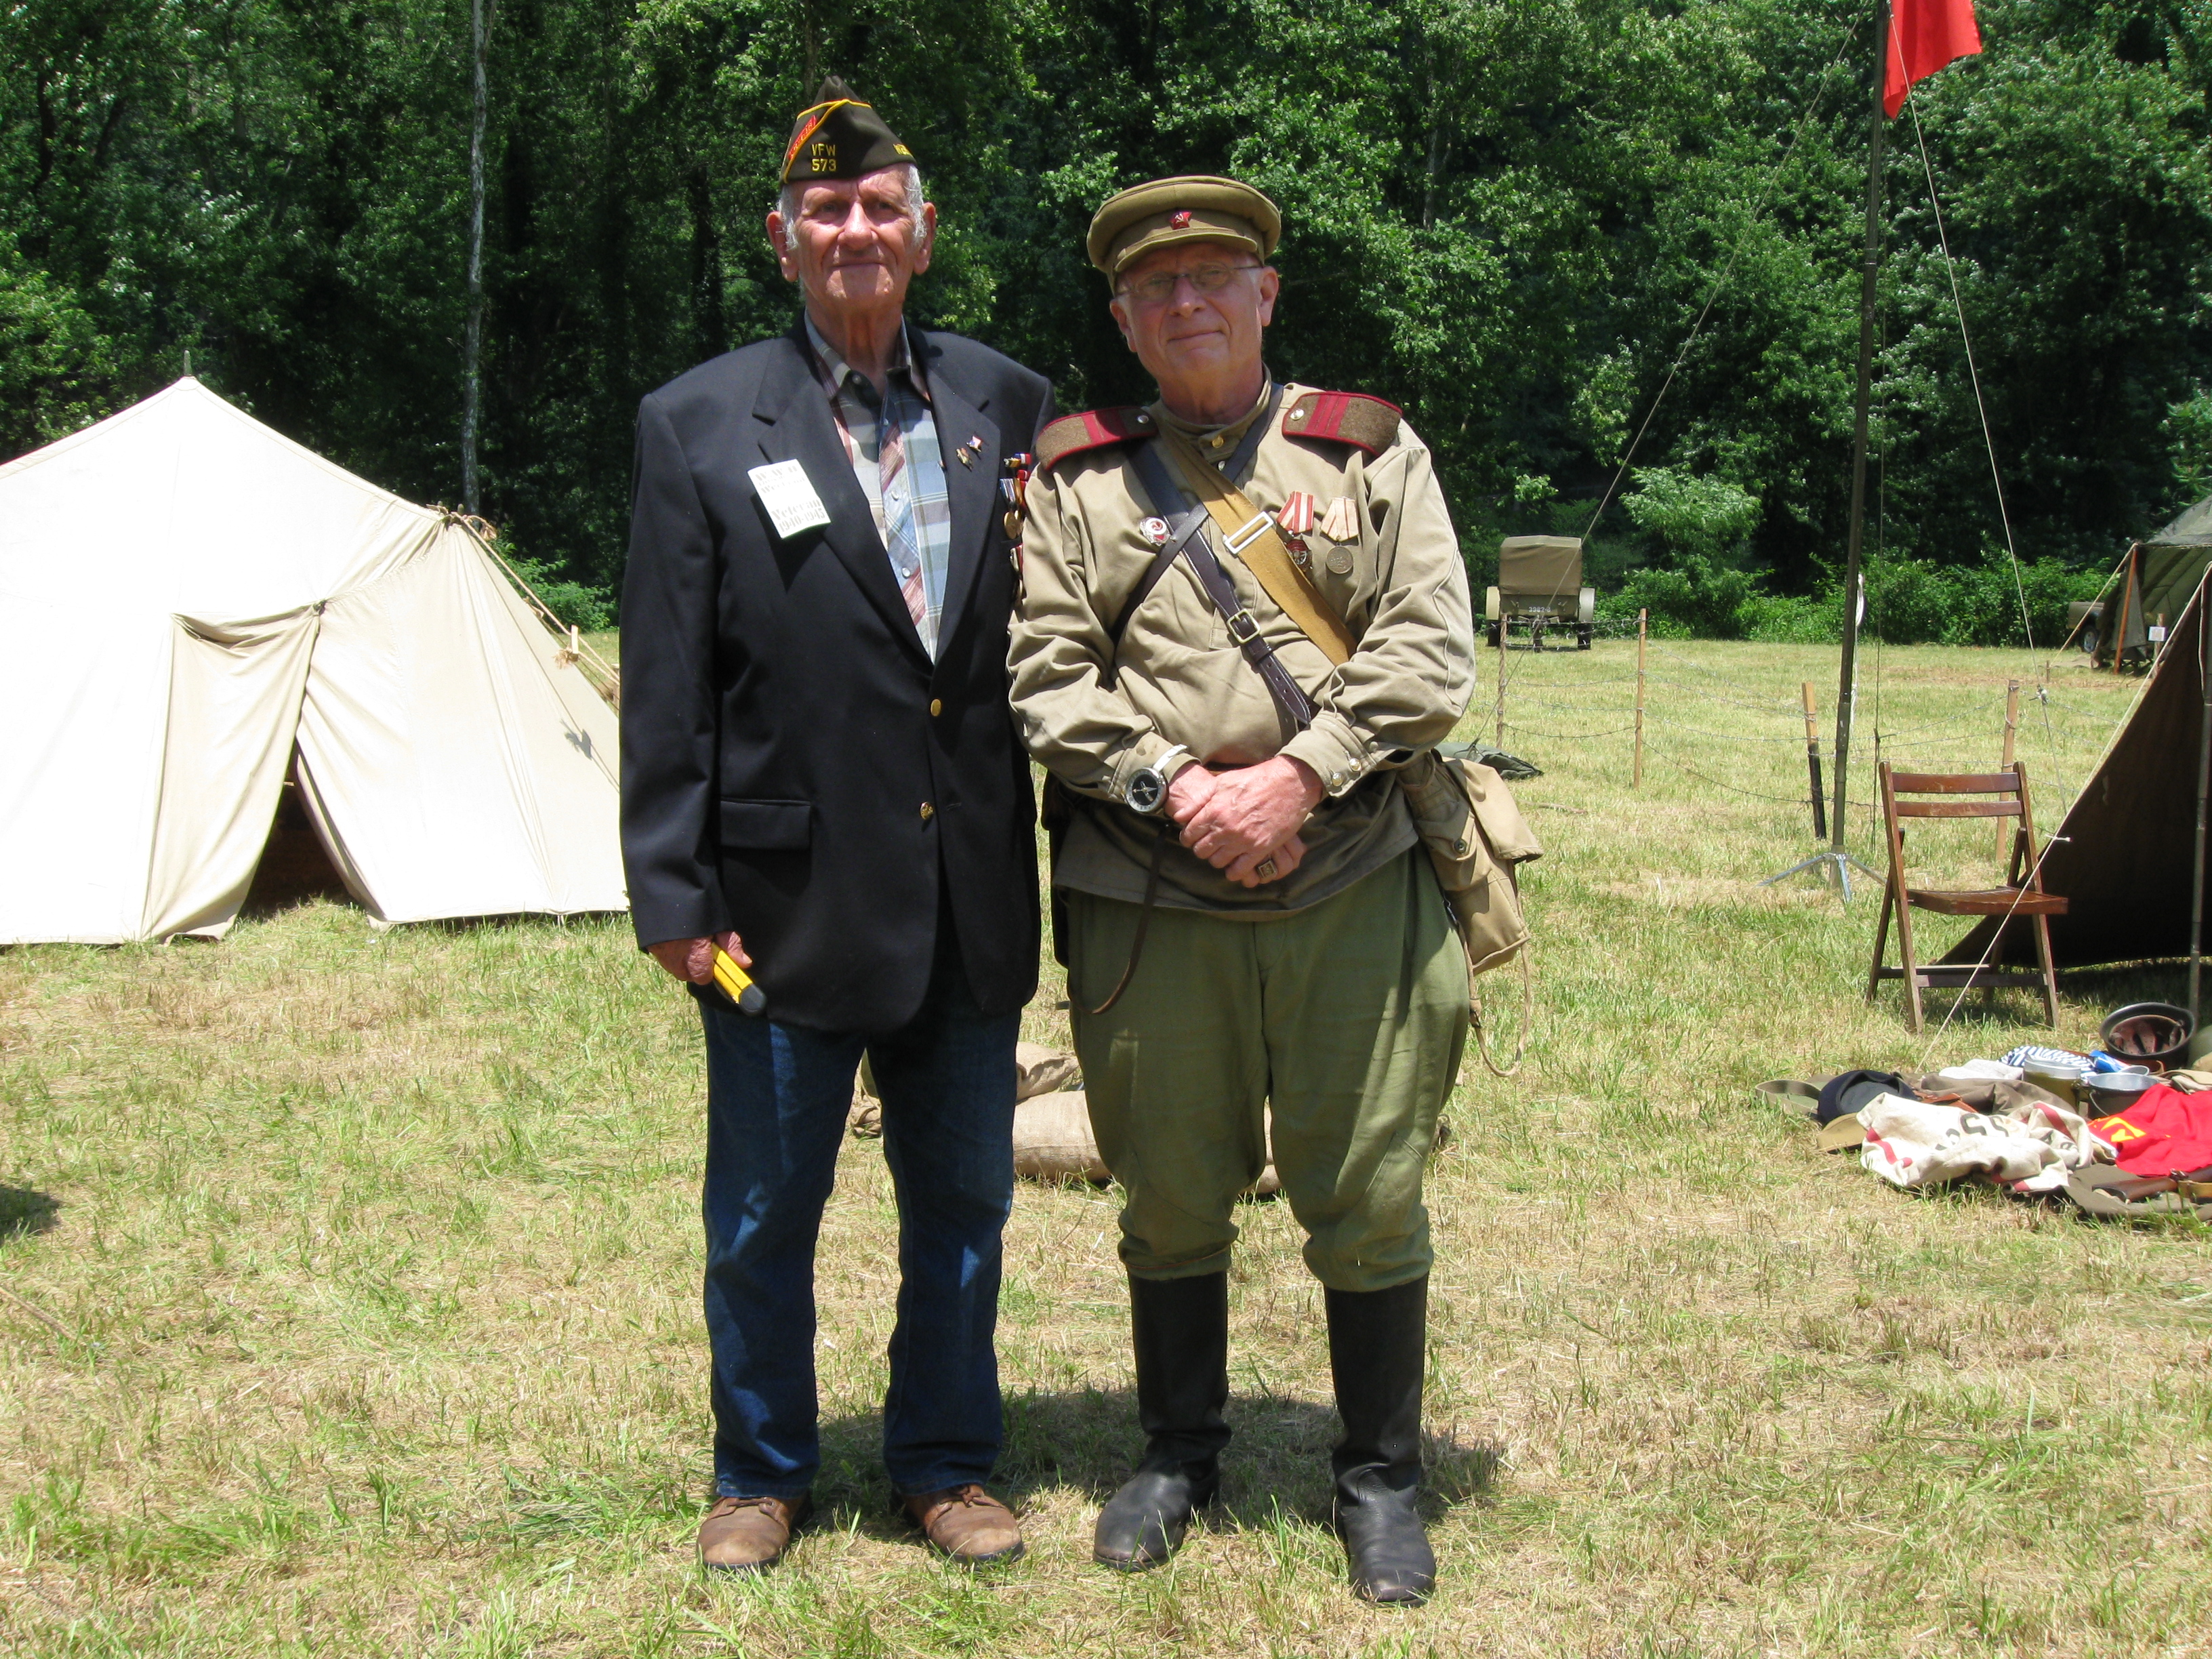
374	1266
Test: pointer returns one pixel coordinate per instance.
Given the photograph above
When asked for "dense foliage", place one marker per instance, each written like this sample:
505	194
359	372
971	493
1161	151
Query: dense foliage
1506	215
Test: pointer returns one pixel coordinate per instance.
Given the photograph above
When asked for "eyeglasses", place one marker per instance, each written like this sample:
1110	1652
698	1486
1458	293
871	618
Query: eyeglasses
1159	288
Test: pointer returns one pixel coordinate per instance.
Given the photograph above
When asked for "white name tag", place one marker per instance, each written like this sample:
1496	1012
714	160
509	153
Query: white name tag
789	497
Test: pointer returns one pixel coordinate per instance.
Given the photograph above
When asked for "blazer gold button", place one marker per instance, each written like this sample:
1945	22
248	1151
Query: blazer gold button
927	811
936	707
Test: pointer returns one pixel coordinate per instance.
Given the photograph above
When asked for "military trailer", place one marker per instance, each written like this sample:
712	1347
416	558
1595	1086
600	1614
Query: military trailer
1539	585
2085	624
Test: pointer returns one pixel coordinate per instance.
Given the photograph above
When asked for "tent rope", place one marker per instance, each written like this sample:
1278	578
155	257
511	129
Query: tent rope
603	675
2004	518
1989	442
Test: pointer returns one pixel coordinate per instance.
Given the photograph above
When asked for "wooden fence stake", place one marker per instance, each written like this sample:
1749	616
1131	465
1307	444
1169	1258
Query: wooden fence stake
2012	725
1502	638
1812	767
2127	593
1643	624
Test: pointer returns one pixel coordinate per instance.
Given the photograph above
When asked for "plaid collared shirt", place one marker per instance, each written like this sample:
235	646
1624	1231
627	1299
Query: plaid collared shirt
914	520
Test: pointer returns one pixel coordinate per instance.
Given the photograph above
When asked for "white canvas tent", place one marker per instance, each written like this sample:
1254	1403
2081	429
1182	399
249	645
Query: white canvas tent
194	603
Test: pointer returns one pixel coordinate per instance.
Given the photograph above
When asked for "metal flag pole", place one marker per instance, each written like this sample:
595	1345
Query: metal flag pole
1869	273
2203	791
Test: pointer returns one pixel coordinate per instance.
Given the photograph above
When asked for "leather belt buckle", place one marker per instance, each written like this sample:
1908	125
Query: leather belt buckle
1242	628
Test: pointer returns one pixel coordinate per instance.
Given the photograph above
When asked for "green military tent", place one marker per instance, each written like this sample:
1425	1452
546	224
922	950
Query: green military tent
2126	854
2150	586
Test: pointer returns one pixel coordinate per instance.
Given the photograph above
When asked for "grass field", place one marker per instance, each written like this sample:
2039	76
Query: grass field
351	1292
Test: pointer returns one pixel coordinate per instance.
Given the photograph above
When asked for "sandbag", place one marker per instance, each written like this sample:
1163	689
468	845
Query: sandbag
1053	1140
1041	1070
1037	1071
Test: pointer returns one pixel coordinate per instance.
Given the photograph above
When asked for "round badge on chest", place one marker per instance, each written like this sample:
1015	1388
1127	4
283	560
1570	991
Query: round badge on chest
1339	562
1154	531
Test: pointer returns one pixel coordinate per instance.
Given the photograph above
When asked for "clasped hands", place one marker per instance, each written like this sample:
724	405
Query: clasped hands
1245	823
1236	821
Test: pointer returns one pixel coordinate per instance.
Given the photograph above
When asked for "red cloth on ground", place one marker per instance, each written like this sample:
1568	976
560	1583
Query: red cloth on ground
2165	1133
1924	36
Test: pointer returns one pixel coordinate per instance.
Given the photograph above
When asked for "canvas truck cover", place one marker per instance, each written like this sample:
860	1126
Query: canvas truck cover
1539	569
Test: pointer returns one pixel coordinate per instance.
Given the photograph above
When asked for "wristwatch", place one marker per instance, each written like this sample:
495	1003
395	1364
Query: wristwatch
1146	791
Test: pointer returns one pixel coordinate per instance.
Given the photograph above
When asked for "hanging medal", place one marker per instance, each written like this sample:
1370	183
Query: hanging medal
1295	522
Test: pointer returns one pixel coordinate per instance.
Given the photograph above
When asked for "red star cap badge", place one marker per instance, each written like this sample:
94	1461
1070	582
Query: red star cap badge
1180	219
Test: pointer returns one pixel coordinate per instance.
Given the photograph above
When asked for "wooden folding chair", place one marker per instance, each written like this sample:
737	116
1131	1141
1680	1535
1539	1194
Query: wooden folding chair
2021	898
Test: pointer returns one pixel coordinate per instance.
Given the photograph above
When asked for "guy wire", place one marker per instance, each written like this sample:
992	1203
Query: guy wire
1989	442
2004	518
1697	329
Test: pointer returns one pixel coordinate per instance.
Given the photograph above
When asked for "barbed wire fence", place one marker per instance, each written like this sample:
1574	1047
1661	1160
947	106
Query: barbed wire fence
1675	713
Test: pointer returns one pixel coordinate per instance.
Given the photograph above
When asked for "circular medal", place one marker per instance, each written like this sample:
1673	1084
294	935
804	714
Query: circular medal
1339	562
1154	531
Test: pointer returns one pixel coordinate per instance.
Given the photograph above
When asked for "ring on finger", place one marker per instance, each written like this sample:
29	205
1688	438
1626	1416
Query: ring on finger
1265	869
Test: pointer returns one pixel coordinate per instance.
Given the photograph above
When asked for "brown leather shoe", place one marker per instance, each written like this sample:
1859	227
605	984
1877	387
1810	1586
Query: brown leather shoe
968	1524
747	1535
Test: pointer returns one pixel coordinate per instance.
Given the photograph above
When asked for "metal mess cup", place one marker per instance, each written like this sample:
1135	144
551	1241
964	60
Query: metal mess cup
2115	1091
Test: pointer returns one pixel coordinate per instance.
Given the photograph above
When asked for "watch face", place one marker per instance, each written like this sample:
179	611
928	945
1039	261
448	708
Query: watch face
1145	790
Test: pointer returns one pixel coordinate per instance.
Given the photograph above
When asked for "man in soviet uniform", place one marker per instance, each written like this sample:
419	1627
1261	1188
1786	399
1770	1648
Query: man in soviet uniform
1249	920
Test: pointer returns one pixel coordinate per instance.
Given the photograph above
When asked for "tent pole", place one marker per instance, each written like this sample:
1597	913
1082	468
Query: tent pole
2204	789
1870	271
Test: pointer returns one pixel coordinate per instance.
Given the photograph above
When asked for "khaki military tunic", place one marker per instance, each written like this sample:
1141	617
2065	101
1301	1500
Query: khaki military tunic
1398	583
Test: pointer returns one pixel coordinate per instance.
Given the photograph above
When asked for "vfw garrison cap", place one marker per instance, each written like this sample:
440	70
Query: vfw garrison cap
838	136
1194	208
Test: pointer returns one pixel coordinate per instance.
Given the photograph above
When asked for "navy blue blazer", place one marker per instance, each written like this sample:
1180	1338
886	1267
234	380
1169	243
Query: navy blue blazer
793	765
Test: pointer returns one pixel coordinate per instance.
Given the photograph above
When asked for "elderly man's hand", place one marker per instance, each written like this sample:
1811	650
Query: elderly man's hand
1248	816
1278	862
693	959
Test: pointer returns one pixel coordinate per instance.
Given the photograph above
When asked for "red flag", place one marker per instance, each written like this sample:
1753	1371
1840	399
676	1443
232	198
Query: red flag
1924	36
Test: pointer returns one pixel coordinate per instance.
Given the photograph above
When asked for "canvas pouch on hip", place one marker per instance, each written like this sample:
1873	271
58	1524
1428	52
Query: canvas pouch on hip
1468	822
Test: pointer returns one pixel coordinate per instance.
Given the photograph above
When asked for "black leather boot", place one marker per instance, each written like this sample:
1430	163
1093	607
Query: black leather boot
1379	1350
1180	1331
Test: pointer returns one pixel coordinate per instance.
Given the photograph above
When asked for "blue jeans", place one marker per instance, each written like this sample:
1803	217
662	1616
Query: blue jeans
776	1104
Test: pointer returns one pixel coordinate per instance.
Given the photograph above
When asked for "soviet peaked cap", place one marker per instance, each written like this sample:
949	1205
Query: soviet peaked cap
838	136
1194	208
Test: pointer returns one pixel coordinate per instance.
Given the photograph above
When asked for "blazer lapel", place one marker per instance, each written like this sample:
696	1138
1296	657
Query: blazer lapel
972	491
796	425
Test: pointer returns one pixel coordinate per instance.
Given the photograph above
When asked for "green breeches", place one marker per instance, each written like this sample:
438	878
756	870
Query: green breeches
1349	1018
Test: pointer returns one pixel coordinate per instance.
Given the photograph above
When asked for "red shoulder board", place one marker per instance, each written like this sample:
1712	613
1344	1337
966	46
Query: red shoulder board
1071	434
1345	418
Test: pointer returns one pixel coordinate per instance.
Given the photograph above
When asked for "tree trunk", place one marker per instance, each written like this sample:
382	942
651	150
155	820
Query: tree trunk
709	321
472	357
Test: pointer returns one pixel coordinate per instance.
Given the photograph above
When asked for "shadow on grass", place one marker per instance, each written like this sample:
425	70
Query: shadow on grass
1277	1465
23	1211
2104	988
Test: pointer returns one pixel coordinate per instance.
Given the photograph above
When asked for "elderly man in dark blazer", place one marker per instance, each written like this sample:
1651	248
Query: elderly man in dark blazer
821	778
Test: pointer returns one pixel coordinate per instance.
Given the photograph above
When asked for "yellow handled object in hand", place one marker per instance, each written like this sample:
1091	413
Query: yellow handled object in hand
737	985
